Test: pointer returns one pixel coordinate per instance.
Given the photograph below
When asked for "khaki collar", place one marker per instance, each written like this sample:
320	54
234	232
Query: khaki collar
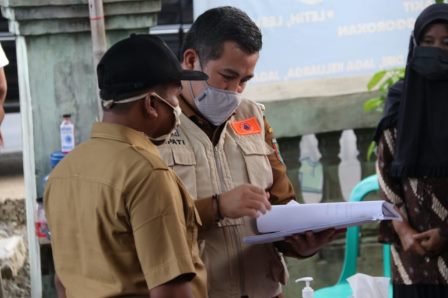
189	111
124	134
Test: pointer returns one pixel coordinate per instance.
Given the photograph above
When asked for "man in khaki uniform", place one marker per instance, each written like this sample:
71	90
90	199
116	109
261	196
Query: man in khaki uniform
224	153
121	222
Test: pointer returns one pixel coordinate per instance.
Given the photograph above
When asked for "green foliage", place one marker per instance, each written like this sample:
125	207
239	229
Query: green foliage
439	1
371	150
382	81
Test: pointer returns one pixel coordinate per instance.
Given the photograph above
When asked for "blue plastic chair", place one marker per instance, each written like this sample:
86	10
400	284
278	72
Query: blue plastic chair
342	288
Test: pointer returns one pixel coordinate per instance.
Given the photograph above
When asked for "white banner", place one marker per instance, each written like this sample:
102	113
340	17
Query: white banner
318	39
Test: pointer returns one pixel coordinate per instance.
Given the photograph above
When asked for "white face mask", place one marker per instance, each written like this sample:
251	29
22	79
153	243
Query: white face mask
216	105
177	112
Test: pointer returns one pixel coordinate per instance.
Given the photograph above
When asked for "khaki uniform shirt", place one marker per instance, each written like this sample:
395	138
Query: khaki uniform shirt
121	222
217	159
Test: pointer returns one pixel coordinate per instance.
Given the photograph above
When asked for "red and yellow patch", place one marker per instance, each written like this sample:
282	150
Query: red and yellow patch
248	126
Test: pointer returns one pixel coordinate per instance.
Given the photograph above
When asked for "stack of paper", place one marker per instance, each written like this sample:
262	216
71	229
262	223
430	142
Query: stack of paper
290	219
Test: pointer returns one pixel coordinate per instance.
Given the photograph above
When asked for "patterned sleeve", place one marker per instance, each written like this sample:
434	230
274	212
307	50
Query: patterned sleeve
390	187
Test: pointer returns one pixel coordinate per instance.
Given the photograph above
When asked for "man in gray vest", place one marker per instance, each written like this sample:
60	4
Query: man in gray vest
224	154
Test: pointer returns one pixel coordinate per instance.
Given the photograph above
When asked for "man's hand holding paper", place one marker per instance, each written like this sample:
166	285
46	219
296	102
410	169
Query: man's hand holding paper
287	220
307	244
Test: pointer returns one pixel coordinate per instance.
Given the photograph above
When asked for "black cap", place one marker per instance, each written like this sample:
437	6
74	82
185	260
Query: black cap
137	63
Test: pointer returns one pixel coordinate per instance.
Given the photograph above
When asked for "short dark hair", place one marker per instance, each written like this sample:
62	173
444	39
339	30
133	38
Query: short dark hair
218	25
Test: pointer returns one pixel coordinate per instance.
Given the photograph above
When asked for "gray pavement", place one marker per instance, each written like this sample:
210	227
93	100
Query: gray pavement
11	176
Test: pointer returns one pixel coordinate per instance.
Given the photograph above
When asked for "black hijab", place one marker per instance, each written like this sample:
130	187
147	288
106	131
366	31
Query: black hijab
418	107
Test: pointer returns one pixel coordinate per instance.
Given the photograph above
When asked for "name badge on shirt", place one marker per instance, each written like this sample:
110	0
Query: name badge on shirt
176	138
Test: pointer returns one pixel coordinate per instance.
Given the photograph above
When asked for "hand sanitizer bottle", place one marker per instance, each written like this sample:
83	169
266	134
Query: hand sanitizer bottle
67	130
307	291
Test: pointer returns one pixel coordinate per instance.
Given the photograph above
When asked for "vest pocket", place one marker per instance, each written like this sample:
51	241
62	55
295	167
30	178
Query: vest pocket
183	163
255	154
230	222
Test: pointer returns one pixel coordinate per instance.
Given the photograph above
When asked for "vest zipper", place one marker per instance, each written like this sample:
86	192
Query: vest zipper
218	169
237	240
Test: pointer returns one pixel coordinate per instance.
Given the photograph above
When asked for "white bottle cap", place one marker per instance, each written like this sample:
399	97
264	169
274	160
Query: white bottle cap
307	291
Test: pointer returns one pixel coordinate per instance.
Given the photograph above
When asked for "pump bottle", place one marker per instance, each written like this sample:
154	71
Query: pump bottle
307	291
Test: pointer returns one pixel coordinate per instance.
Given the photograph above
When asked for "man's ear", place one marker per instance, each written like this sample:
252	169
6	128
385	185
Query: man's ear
189	59
149	107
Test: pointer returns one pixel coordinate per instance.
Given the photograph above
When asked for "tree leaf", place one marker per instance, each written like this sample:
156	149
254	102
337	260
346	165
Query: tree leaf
382	80
377	77
373	103
371	150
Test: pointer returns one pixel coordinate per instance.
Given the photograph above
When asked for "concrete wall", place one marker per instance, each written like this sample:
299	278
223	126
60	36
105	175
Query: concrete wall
298	108
57	52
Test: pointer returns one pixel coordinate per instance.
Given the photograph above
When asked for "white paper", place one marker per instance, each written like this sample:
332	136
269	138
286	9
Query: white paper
286	220
366	286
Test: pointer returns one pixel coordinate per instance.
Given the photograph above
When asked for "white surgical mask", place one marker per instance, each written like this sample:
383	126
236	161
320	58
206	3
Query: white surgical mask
177	112
216	105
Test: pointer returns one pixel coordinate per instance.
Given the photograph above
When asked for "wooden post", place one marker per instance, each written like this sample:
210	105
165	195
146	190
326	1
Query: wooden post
99	44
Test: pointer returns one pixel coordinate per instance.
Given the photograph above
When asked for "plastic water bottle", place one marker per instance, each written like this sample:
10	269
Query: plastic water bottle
55	158
41	225
41	220
67	130
307	291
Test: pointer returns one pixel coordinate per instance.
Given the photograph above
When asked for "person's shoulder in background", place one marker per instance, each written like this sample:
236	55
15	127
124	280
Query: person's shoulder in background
3	59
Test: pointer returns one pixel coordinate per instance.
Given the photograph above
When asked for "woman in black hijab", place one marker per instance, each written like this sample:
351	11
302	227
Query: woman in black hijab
412	162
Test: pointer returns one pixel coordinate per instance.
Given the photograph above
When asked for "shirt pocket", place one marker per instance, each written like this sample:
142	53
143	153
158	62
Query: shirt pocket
183	162
255	154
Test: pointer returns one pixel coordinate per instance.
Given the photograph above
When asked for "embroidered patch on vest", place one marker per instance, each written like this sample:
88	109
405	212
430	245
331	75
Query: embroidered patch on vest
248	126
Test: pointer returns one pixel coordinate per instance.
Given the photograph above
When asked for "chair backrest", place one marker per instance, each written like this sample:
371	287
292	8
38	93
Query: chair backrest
359	192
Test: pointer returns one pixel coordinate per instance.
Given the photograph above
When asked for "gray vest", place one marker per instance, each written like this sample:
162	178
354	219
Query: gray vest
241	156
